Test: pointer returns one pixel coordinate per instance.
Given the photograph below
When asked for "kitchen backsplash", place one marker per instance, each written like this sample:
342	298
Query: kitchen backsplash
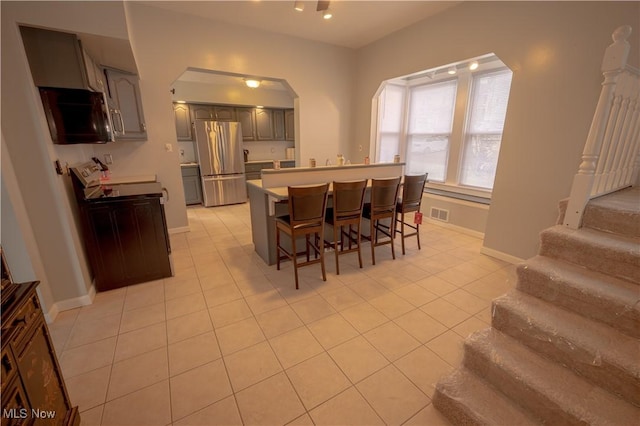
272	150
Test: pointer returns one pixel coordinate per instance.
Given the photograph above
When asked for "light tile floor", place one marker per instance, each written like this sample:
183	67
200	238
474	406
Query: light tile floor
228	339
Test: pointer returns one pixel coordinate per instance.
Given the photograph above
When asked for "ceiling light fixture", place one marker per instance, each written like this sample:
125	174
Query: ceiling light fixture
323	6
252	83
452	71
473	65
298	5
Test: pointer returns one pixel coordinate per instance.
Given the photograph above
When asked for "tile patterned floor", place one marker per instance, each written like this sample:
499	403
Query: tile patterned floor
228	339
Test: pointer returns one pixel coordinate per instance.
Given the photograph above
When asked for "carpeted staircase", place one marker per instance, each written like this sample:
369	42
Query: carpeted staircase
564	346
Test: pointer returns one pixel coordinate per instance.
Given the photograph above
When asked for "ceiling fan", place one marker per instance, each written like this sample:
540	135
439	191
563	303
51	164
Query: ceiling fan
322	5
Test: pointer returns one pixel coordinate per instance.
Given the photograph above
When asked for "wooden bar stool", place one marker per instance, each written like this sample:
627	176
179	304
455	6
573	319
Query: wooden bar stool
384	197
307	208
412	190
348	201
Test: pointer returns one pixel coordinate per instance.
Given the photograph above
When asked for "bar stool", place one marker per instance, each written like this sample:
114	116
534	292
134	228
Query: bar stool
384	197
411	199
348	201
307	208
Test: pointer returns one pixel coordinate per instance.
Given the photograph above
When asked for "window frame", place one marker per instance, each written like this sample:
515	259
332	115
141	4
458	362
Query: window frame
457	143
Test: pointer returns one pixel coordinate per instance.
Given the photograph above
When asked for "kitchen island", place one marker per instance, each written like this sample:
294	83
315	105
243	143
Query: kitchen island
268	196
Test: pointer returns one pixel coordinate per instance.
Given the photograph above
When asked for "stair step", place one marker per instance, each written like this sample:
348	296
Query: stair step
600	297
610	254
465	399
618	213
599	352
544	388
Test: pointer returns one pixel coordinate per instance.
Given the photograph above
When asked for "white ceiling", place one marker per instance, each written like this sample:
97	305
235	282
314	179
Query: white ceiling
355	23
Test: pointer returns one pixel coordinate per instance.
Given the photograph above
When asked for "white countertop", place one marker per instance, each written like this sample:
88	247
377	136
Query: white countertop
117	180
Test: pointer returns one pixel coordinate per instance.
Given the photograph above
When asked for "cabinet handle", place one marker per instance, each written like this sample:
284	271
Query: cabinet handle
121	120
17	321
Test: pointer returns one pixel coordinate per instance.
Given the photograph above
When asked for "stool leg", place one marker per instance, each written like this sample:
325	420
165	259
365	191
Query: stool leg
358	243
324	272
295	259
277	248
392	230
373	235
336	229
402	230
418	234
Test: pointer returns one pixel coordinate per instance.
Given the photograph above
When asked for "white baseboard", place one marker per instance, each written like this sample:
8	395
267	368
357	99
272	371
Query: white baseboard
502	256
65	305
179	230
456	228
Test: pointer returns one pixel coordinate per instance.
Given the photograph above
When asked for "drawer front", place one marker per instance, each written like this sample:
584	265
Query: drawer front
22	320
8	367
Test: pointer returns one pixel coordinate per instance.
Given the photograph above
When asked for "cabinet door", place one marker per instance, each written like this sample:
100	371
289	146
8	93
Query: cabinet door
129	242
55	58
201	112
246	117
42	377
278	124
192	189
289	125
183	121
224	113
264	124
126	106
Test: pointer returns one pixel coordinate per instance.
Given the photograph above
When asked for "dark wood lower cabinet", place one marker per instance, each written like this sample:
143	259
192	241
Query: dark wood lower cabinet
33	389
127	241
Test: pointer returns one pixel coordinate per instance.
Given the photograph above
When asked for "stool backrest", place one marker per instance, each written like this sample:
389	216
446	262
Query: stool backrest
348	199
412	191
384	195
307	204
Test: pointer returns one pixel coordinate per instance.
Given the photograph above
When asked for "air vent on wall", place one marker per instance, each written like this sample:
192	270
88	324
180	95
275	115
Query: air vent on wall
439	214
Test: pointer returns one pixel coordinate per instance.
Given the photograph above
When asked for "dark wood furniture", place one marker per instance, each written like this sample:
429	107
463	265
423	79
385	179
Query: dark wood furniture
307	209
412	190
33	389
346	212
126	237
381	212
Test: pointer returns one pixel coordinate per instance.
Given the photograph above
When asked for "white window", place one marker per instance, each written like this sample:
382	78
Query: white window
449	126
429	129
489	97
391	103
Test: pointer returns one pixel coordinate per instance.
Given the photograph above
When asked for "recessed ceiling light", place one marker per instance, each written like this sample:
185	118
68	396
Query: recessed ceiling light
298	5
473	65
452	70
327	14
252	83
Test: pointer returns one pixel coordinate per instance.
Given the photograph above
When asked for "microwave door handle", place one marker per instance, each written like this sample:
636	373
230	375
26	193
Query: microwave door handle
121	120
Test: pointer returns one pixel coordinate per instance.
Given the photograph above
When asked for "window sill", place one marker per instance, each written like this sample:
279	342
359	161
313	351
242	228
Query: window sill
459	193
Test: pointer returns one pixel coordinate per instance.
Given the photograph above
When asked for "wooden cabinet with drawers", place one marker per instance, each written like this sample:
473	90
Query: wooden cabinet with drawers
33	389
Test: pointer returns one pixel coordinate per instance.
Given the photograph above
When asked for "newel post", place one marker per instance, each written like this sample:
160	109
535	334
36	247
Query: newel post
615	60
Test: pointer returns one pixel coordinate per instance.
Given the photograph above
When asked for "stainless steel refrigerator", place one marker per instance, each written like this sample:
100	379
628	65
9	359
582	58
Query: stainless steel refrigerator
221	159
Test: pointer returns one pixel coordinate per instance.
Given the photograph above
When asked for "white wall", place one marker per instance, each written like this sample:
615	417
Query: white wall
555	50
223	94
